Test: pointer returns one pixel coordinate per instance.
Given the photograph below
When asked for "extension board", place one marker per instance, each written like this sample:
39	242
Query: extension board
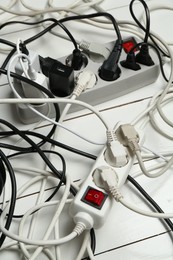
103	91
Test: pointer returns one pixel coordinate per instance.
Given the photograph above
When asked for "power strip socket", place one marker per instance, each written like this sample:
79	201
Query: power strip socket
103	91
92	203
128	81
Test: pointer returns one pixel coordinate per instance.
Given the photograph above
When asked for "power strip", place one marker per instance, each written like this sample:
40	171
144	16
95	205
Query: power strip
103	91
128	81
92	203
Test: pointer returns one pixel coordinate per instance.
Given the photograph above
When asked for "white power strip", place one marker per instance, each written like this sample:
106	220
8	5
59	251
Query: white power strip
92	203
103	91
128	81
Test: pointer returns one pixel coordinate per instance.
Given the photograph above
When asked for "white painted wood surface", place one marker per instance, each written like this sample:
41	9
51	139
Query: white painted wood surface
125	235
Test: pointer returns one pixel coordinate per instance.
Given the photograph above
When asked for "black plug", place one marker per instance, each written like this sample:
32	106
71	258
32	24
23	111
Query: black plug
61	77
110	70
23	48
143	57
46	64
130	62
77	60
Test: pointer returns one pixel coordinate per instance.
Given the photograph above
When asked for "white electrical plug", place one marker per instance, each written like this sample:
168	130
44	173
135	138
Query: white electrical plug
32	92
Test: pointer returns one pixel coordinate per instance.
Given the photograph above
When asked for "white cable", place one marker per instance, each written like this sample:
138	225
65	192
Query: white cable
90	253
10	5
84	245
154	175
63	240
57	236
48	100
110	183
153	153
143	212
14	246
155	123
31	8
33	220
52	224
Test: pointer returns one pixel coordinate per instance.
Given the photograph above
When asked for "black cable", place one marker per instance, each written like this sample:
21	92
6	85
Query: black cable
11	44
8	58
46	139
146	30
147	13
27	23
13	195
56	22
88	16
149	199
33	144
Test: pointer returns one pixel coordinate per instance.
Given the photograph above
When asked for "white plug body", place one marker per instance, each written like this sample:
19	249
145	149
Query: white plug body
32	92
34	59
25	114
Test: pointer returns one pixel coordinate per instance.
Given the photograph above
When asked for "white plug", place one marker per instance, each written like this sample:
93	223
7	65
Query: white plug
32	92
34	61
86	79
115	154
96	51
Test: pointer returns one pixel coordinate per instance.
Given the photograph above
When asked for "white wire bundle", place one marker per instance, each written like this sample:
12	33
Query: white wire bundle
23	243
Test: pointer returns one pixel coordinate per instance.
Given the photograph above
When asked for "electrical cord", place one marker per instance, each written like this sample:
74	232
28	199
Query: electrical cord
149	199
147	14
13	195
107	15
46	139
50	100
35	37
51	224
72	190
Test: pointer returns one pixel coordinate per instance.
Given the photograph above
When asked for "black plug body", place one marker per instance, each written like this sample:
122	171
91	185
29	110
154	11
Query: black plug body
130	62
143	57
61	77
77	60
110	70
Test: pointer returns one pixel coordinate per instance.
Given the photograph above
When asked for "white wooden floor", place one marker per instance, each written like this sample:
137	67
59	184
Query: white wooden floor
125	235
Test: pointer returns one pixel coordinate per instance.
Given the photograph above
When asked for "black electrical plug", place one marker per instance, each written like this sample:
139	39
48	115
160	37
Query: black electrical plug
77	60
110	70
61	77
23	48
143	57
130	62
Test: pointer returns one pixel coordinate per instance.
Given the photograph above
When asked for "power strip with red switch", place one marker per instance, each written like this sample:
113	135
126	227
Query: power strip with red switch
92	203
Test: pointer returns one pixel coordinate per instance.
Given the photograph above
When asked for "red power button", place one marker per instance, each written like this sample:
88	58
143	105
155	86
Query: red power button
94	197
128	44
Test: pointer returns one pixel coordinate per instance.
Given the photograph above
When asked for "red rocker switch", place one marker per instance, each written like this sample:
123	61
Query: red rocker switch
94	197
